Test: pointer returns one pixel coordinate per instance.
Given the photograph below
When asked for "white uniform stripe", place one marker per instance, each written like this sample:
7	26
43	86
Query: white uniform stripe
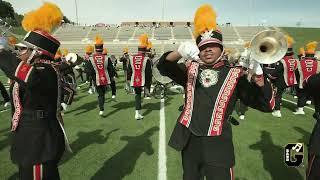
162	157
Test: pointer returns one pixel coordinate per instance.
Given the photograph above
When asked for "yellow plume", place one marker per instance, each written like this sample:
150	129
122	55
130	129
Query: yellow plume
143	40
311	47
58	54
149	46
290	41
89	49
247	44
12	40
301	51
47	17
125	50
65	52
99	40
105	51
204	20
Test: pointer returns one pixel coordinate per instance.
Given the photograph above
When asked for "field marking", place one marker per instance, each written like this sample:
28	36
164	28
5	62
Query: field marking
296	104
162	157
4	110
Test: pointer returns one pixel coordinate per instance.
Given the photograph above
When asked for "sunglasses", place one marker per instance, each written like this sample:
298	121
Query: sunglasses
21	50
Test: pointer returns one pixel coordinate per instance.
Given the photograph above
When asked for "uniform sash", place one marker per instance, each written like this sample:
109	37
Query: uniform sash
289	66
99	63
138	65
307	67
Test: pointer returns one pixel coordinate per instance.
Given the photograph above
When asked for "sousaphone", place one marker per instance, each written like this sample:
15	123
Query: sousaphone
268	47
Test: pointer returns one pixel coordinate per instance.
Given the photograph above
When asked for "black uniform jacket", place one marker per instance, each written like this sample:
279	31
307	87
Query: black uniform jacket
218	149
38	137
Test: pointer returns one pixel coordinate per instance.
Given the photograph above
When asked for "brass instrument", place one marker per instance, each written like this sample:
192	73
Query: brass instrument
268	47
7	38
157	76
74	59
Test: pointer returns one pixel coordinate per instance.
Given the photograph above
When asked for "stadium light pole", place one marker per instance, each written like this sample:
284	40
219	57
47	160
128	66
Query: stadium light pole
75	2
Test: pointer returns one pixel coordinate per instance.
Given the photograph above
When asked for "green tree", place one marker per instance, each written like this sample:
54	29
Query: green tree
6	10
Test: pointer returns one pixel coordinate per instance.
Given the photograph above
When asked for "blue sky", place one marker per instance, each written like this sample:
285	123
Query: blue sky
238	12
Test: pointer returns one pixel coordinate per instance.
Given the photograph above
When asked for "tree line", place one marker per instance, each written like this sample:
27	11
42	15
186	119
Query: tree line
8	14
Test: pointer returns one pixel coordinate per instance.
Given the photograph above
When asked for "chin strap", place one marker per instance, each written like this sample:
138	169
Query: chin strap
31	56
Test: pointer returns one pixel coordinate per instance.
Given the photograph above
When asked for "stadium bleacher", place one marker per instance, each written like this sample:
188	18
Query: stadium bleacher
164	38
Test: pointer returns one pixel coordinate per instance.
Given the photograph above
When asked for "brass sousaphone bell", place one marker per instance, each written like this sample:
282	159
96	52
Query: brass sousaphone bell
268	47
74	58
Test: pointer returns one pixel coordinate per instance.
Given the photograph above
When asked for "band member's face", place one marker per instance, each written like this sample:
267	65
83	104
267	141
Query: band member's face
210	54
24	53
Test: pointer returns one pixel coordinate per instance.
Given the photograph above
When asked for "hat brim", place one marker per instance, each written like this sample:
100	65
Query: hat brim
20	45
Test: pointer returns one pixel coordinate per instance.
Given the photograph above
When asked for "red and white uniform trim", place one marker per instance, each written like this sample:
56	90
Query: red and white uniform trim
138	66
192	78
99	64
307	67
37	172
289	67
17	107
222	101
23	71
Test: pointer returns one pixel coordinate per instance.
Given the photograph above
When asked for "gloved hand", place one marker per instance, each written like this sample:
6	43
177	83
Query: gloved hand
189	50
3	42
256	67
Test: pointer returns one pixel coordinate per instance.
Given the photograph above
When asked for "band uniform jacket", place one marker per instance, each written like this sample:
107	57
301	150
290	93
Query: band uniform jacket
110	70
284	75
307	67
37	135
206	95
146	71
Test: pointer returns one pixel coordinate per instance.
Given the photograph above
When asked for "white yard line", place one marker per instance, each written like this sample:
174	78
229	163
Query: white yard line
162	157
296	104
4	110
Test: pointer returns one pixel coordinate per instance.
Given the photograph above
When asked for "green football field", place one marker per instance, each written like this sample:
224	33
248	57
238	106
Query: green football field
116	146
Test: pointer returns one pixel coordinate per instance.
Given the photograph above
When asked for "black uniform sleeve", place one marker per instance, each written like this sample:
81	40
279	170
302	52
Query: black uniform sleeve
148	71
129	71
260	98
68	93
110	68
177	72
312	86
20	71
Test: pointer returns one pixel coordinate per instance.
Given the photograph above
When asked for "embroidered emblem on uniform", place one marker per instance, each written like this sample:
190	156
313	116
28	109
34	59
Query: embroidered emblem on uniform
208	77
137	80
206	35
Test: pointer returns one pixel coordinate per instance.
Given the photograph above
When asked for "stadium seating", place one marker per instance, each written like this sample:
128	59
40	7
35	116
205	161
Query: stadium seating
164	38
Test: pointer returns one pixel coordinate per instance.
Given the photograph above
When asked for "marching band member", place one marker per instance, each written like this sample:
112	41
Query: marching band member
37	132
101	68
203	133
125	61
307	67
112	74
312	86
88	68
138	67
148	74
285	73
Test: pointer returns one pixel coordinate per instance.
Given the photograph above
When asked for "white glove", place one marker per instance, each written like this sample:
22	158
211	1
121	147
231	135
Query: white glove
3	42
189	50
256	67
